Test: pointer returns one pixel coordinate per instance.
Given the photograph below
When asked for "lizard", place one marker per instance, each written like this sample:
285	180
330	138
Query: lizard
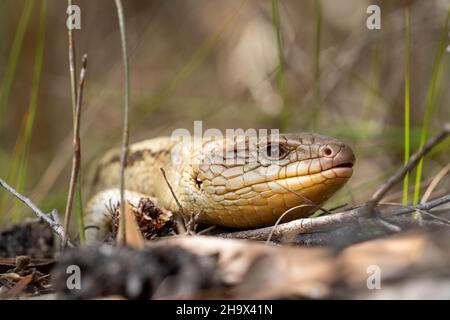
236	182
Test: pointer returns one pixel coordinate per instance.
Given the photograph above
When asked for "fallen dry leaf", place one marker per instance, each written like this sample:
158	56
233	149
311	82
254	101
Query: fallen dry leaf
133	236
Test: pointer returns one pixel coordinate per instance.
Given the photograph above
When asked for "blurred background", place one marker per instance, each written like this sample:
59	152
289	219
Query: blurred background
220	62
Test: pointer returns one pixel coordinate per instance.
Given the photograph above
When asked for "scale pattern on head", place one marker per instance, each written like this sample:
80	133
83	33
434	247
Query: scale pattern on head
250	182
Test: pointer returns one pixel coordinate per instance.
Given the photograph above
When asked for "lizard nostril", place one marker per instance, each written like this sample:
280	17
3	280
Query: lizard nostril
327	151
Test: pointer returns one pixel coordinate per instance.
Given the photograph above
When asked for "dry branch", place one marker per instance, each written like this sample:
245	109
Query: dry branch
401	173
125	134
76	160
56	227
299	226
181	220
440	175
322	223
72	65
425	206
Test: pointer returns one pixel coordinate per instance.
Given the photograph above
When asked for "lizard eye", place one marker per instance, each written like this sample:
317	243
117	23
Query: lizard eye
328	151
276	151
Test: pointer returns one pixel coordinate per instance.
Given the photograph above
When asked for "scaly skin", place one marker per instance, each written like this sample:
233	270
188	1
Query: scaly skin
307	170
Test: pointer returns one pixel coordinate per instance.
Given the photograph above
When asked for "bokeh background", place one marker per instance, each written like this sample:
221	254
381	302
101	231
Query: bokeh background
218	61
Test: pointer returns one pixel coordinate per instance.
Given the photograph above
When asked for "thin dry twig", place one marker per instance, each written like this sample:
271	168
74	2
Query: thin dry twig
425	206
440	175
281	218
345	235
125	135
322	223
55	216
72	64
424	212
76	160
57	228
299	226
400	174
191	224
181	220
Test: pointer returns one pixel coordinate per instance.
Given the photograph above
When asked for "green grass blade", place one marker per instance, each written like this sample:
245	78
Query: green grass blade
14	54
195	61
430	103
281	83
73	95
318	33
121	236
31	114
11	172
407	99
72	69
5	87
79	209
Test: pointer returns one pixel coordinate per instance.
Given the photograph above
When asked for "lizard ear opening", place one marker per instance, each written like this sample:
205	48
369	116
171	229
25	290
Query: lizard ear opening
198	182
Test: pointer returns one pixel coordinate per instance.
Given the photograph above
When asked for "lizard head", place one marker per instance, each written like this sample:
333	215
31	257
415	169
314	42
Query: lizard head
248	182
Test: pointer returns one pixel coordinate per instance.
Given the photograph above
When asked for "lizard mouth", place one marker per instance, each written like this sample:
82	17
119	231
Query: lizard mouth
345	159
344	165
343	170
